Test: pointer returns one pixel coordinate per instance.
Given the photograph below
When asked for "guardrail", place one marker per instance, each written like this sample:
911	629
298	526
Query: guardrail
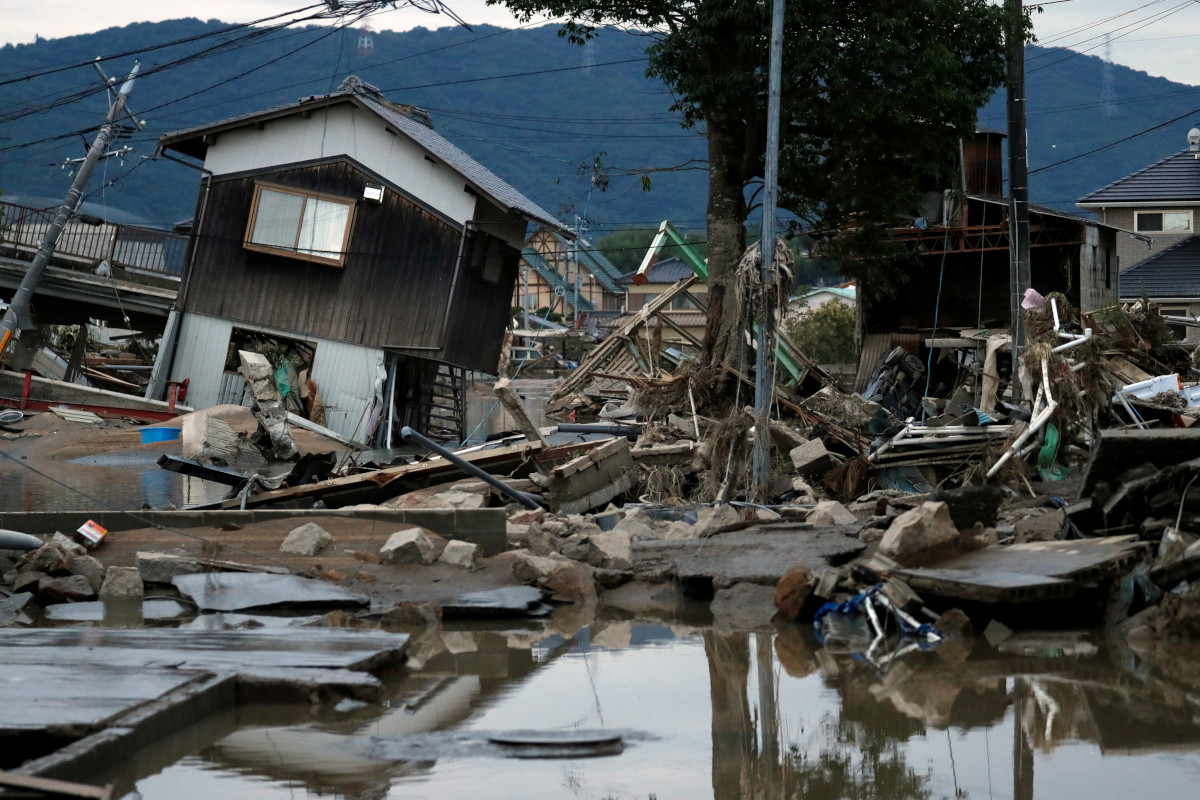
88	242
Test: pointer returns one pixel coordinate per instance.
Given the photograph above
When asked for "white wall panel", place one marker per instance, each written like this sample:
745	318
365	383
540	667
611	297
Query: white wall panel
200	357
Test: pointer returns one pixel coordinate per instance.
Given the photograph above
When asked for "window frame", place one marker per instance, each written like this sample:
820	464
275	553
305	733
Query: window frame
1137	221
299	255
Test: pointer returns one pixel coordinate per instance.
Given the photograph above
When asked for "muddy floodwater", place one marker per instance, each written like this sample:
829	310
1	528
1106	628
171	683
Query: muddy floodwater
712	714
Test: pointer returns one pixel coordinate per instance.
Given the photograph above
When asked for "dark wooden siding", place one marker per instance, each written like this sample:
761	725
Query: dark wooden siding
481	303
392	291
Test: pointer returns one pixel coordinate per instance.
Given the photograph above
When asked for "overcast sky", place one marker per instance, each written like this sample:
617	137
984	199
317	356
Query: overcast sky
1161	37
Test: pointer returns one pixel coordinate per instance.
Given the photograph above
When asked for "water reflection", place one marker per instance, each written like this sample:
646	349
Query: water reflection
732	716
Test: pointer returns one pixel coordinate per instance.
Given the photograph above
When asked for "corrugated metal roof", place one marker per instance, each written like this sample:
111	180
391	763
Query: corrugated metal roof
669	270
594	262
1175	178
189	142
1172	272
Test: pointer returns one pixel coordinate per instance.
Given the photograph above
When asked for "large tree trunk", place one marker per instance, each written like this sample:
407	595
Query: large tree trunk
726	239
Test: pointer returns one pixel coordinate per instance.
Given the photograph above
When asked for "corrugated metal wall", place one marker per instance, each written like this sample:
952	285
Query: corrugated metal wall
347	375
200	357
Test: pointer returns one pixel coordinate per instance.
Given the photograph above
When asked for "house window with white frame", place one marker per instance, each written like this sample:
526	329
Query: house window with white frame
1163	221
299	224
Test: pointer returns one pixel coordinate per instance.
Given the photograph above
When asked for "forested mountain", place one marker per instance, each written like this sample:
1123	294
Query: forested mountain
568	126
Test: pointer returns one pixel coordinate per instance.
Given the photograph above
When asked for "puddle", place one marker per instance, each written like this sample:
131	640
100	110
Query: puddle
708	714
119	482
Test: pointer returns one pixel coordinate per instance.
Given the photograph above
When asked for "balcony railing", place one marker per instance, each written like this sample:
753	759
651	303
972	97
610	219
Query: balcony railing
86	243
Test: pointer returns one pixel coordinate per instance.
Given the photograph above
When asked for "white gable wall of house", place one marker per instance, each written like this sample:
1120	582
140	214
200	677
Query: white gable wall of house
345	129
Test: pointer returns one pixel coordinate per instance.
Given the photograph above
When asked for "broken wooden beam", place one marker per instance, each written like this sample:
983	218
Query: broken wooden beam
512	403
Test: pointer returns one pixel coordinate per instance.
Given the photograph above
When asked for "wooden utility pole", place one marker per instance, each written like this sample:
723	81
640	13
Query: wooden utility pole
1018	182
18	318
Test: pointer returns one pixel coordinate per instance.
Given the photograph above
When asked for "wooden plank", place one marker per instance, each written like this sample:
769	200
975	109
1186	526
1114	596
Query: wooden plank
50	787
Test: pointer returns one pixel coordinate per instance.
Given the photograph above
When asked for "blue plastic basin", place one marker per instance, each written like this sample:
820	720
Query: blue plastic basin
160	434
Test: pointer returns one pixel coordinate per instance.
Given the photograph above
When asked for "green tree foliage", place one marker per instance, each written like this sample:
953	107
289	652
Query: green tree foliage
825	334
876	95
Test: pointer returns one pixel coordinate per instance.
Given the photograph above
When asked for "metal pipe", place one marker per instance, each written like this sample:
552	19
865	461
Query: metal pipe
599	427
1034	426
530	501
1075	341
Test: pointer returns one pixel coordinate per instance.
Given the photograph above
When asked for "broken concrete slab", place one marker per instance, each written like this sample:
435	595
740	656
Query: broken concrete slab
241	591
458	553
558	575
89	567
509	601
306	540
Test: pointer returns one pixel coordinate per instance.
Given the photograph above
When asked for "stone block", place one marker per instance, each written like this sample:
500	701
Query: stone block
409	546
458	553
164	567
88	567
920	534
831	513
811	459
792	591
306	540
122	585
66	589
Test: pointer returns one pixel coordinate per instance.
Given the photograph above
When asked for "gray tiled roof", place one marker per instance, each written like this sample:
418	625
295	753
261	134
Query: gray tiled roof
1175	178
1173	272
667	271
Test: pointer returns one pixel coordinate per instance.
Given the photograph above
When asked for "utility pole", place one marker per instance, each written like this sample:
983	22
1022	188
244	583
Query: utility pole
17	318
1018	182
764	378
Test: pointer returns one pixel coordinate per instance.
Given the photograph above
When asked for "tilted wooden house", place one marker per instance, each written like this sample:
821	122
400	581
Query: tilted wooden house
344	234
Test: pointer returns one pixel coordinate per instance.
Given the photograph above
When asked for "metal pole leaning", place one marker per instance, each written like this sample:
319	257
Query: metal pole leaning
530	501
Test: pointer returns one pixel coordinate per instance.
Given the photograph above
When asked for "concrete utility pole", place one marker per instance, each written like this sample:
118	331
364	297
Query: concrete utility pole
764	377
1018	182
17	318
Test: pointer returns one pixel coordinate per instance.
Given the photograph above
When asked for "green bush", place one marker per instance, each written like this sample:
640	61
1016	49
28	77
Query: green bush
825	334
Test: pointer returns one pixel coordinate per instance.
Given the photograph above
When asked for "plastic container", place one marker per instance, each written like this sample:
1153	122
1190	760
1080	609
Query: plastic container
160	434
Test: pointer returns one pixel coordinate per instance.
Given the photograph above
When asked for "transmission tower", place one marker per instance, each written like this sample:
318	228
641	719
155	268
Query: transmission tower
1108	96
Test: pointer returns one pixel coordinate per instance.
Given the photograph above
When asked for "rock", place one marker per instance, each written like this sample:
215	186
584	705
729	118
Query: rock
529	568
802	490
712	520
122	585
678	530
954	624
533	538
458	553
411	615
575	547
28	581
635	529
48	560
88	567
997	632
443	497
69	546
830	513
792	591
611	578
307	540
164	567
68	589
556	574
578	526
743	606
612	635
458	642
409	546
1040	525
920	535
610	550
523	516
811	459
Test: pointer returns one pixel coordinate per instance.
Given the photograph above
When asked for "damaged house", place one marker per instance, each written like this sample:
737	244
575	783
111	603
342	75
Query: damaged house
956	265
349	242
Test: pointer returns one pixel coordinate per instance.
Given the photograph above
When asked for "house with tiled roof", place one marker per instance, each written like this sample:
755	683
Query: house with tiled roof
345	238
563	274
1159	204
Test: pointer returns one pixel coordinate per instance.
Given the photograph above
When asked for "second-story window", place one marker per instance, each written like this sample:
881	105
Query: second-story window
298	224
1163	221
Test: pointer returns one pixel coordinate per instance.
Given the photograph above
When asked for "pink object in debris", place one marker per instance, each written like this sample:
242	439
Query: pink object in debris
1032	299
